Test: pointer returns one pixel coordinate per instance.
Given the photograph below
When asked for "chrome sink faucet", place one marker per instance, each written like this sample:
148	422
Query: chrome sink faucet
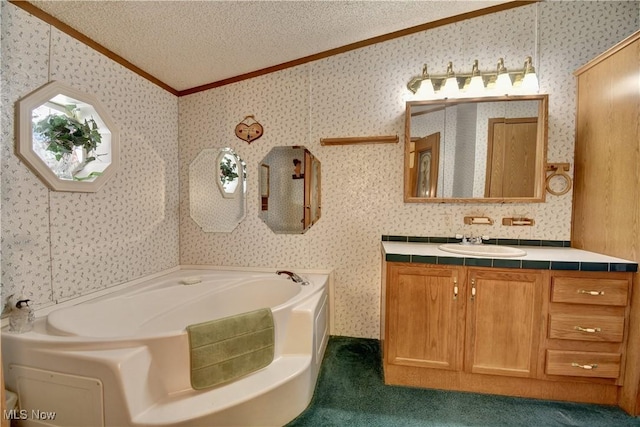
471	240
478	239
293	276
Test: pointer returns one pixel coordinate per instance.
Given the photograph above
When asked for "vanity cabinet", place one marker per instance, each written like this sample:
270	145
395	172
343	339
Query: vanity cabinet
587	329
483	321
532	333
503	322
426	316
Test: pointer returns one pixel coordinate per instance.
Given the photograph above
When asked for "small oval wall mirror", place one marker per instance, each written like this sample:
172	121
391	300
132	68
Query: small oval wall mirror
217	190
290	190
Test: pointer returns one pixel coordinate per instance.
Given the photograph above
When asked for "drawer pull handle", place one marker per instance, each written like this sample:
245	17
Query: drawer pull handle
473	289
587	367
589	330
594	293
455	289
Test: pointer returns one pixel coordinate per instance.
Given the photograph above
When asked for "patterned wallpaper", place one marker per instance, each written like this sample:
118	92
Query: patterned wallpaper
140	223
360	93
59	245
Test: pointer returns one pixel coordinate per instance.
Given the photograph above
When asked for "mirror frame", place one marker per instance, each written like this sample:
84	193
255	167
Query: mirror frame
541	150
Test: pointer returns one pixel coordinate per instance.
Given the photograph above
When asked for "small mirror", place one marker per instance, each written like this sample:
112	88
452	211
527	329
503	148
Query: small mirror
66	138
476	150
217	190
290	190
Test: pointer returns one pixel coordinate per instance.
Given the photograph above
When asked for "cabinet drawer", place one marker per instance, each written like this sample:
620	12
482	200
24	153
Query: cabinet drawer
586	328
583	364
581	290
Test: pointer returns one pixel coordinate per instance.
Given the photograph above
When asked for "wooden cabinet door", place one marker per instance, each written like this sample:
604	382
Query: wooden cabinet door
504	318
425	323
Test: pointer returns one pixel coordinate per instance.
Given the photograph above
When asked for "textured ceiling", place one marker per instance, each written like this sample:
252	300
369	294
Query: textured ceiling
187	43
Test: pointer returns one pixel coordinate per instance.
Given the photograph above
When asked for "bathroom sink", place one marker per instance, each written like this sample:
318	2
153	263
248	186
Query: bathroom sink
482	250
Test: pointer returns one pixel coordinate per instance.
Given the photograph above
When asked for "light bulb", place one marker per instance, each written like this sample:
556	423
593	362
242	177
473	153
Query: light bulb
503	82
476	85
425	91
450	89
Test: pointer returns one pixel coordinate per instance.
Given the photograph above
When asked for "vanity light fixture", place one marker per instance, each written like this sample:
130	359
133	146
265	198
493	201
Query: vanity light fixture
451	88
425	90
503	81
476	83
530	80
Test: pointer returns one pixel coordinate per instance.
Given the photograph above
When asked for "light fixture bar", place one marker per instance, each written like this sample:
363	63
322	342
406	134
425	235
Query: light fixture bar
520	80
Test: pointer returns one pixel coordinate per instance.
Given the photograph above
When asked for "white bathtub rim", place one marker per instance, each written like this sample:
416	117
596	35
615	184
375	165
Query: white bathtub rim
44	310
138	320
40	330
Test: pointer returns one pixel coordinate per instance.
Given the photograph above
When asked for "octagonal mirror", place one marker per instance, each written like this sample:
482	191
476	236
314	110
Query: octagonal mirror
66	138
217	190
290	190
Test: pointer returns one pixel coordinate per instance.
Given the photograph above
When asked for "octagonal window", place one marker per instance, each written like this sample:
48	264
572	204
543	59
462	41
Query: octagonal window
66	138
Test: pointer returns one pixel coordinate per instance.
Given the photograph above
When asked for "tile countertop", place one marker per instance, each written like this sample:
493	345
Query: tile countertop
542	258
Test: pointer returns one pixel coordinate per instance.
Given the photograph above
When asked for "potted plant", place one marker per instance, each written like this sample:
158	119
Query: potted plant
72	142
228	170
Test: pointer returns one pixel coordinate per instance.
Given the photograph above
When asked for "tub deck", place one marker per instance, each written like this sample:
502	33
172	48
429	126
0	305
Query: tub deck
136	373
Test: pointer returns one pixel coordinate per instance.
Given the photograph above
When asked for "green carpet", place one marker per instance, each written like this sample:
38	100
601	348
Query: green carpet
350	392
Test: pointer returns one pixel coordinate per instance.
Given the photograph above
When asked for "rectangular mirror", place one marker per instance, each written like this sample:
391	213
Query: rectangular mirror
476	150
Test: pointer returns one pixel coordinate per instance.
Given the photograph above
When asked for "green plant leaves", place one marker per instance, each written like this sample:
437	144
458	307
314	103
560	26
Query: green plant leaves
227	170
63	133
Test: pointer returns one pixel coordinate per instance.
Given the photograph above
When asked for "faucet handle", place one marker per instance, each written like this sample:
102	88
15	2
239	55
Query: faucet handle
465	239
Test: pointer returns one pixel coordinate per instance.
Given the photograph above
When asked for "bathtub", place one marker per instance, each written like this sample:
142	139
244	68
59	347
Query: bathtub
122	359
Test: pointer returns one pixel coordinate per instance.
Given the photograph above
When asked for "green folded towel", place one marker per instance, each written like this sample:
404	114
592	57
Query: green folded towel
229	348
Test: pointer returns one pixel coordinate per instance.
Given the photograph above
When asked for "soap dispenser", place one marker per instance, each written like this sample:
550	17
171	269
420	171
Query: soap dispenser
21	317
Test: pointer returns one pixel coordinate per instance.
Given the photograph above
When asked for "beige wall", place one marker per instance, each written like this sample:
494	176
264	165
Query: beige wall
360	93
57	246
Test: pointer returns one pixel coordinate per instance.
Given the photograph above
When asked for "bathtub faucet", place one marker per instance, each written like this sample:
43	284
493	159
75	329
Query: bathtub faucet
293	276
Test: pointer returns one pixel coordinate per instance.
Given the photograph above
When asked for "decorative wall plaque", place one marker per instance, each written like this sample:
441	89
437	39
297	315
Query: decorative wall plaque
249	129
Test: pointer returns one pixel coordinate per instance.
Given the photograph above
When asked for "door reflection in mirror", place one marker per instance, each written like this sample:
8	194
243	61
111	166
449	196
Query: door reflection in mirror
423	165
289	190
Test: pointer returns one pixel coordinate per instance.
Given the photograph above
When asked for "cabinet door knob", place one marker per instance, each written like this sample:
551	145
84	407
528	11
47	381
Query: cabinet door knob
594	293
589	330
473	289
455	289
586	366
